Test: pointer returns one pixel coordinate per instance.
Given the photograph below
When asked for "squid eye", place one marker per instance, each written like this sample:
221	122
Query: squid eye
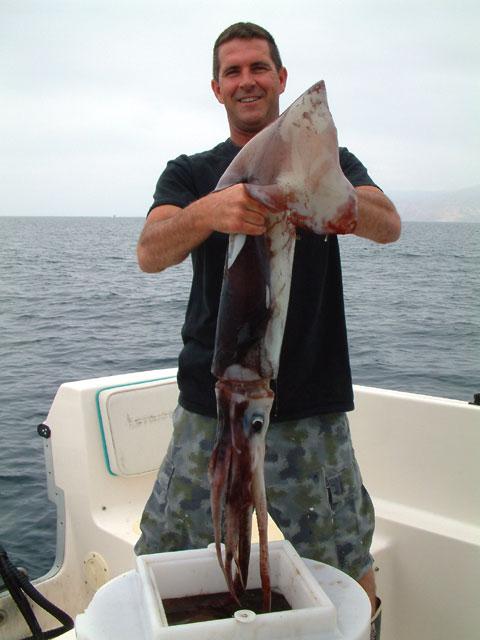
257	424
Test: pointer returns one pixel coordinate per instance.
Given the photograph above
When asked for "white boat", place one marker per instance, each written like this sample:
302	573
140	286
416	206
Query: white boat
104	441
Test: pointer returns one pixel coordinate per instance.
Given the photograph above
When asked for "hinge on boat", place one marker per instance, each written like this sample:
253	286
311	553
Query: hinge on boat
44	430
476	399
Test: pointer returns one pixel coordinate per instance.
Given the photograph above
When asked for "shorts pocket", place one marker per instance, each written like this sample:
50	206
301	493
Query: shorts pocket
344	485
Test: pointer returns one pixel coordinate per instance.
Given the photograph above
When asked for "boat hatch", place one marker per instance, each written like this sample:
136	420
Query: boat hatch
135	423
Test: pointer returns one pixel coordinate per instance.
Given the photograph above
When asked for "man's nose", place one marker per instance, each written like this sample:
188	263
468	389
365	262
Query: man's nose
247	79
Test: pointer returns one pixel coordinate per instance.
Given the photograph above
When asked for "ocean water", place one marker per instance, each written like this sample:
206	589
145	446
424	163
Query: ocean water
74	305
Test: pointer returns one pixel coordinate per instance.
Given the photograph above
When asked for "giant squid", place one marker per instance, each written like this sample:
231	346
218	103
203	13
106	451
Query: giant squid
292	166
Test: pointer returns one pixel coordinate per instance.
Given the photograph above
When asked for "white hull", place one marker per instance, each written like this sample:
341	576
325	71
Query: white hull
419	460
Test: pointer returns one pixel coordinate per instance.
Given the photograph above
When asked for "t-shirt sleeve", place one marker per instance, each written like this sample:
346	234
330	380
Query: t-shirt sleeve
355	172
176	185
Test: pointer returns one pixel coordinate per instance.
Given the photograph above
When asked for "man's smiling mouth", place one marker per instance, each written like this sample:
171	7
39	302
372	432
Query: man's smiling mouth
250	99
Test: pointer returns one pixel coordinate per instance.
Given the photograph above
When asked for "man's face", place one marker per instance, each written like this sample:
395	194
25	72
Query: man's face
249	86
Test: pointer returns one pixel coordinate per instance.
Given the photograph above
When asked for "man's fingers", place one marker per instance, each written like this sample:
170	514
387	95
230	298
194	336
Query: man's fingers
253	229
256	215
237	211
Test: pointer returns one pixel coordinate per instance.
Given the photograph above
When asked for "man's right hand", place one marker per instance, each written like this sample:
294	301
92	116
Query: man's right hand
170	233
233	210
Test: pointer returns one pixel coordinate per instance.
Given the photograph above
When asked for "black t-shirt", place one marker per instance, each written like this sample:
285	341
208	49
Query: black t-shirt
314	374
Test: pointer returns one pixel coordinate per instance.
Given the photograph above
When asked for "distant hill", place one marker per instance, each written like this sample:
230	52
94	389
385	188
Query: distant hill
462	205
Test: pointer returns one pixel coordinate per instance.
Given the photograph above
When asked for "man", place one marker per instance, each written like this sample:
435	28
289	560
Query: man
314	488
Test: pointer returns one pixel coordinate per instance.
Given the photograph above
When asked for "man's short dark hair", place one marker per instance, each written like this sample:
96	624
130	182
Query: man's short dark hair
245	31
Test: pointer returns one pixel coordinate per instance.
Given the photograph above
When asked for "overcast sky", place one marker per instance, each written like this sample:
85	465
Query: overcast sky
96	96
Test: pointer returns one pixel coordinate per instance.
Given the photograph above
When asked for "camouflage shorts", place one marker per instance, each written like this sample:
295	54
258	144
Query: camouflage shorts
314	490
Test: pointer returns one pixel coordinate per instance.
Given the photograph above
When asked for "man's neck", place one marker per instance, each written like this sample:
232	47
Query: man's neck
240	138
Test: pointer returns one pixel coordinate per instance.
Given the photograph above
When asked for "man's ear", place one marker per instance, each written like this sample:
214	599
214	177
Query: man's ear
283	74
216	90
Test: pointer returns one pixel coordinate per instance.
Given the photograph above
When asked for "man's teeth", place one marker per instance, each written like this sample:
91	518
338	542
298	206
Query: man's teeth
248	99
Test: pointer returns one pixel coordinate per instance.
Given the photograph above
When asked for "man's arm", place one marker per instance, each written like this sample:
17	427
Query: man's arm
378	219
170	233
